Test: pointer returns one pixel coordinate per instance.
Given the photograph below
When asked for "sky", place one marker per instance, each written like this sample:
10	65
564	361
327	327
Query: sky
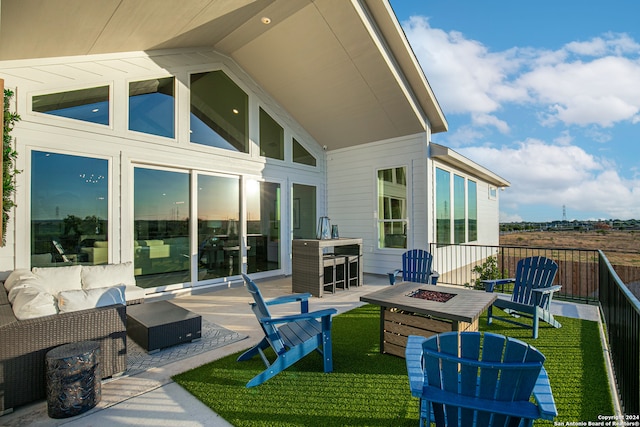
545	94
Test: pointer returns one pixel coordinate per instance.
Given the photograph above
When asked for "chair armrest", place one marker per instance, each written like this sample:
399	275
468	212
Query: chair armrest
548	290
285	299
543	396
489	285
301	316
413	358
392	276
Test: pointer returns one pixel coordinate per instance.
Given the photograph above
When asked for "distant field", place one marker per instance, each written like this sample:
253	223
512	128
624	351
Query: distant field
620	247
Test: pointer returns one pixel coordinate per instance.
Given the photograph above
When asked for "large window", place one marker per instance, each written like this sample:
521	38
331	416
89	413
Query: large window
392	208
152	106
69	210
301	155
218	226
271	137
443	206
88	105
462	212
219	112
161	227
263	226
472	209
459	219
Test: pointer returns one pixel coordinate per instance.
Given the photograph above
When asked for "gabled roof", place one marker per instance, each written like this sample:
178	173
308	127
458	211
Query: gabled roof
458	161
343	68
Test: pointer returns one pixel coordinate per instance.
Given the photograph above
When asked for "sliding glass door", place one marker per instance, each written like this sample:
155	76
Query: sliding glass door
263	226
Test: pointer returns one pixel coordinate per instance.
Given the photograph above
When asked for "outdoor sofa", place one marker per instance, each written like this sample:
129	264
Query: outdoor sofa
26	337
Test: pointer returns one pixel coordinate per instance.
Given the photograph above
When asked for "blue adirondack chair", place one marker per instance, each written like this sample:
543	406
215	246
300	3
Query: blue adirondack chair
291	337
473	379
532	293
416	267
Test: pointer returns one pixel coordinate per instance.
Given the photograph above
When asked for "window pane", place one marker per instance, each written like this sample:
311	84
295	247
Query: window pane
69	210
271	137
304	211
458	206
161	227
392	208
219	112
443	206
472	202
263	226
152	106
218	228
301	155
89	105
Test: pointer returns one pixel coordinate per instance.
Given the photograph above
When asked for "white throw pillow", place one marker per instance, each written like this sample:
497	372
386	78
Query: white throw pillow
101	276
90	298
56	279
25	282
17	275
30	303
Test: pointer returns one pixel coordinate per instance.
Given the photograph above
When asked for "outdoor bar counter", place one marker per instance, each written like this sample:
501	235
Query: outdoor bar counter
307	261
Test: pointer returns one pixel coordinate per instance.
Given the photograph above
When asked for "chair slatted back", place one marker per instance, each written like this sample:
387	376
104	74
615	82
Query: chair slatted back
416	266
532	273
261	311
490	367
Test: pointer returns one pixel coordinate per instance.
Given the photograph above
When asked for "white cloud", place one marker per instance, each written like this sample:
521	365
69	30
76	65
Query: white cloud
544	174
470	79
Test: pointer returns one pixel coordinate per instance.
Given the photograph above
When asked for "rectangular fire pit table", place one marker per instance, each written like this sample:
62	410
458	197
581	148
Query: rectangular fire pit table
160	324
419	309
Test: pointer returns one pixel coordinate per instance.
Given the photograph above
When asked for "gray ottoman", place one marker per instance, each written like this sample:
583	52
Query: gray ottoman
73	379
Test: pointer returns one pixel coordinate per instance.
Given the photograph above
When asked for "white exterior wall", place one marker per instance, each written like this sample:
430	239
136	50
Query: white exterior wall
125	149
352	192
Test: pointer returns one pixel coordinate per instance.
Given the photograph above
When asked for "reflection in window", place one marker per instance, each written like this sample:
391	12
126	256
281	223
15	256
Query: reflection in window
459	220
304	211
443	206
151	106
301	155
219	112
271	137
263	226
69	210
218	227
161	227
89	105
472	208
392	208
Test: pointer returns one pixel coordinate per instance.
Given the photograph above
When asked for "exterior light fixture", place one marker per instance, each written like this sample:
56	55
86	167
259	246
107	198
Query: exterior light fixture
265	20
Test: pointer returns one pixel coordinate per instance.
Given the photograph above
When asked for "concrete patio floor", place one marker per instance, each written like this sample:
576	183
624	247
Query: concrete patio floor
151	398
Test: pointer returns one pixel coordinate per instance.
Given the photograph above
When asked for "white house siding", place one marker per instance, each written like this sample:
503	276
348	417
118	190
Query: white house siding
124	149
352	195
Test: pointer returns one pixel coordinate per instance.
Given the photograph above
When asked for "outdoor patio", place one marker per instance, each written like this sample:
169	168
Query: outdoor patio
151	398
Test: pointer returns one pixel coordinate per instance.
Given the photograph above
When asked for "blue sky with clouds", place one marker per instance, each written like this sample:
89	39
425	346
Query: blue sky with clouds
546	94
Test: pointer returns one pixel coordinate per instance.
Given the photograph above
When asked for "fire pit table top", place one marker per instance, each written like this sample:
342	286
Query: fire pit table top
463	305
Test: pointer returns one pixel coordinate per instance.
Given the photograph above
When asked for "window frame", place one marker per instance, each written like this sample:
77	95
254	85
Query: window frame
380	220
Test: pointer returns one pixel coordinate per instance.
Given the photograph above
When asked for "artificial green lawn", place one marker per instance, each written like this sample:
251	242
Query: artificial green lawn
371	389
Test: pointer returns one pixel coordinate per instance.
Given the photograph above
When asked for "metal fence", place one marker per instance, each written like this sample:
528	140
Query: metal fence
621	311
466	264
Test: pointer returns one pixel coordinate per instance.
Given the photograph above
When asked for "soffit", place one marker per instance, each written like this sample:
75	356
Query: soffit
317	58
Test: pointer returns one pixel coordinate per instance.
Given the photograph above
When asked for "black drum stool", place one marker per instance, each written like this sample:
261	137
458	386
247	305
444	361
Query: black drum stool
73	379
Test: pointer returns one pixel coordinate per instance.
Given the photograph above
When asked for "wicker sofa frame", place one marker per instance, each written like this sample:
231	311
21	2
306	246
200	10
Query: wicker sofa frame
24	343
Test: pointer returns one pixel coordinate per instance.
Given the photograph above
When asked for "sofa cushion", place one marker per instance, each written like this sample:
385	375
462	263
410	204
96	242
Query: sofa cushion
100	276
56	279
32	302
15	276
33	282
84	299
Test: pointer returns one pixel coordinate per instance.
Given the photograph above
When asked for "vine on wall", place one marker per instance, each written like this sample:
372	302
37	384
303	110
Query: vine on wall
9	156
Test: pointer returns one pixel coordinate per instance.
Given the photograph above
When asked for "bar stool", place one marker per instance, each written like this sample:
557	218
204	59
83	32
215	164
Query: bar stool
334	272
352	270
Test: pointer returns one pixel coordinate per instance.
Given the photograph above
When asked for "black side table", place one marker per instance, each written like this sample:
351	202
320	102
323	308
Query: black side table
73	379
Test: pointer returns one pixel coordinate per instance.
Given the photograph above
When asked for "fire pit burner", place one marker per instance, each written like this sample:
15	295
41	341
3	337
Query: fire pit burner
431	295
